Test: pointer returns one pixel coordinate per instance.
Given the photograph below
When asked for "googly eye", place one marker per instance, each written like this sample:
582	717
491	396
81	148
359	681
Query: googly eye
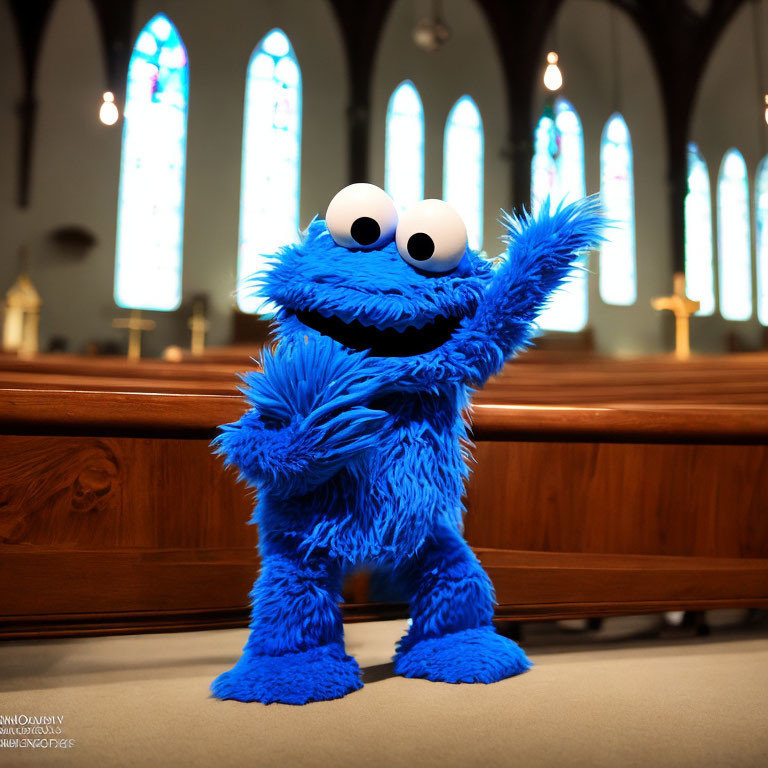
361	216
431	236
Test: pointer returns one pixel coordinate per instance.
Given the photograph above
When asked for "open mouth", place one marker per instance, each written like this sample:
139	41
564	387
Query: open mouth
382	343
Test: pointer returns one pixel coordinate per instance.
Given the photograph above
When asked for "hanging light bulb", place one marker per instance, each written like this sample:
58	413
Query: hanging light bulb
765	99
432	32
553	77
108	113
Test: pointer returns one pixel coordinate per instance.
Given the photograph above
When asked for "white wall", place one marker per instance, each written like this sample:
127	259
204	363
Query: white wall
76	162
582	31
219	46
10	93
467	64
729	113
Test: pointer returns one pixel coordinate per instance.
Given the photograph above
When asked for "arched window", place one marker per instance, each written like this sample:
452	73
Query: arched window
618	275
546	150
558	172
733	242
150	218
463	166
404	155
699	273
761	210
269	186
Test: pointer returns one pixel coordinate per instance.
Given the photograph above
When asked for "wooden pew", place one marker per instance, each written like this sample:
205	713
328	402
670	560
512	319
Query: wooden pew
724	380
115	517
122	368
624	509
91	381
534	378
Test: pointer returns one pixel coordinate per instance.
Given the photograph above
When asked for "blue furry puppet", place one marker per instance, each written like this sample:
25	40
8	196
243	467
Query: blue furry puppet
356	442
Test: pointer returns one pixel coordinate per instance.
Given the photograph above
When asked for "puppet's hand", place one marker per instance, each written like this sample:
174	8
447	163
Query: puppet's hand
542	251
309	417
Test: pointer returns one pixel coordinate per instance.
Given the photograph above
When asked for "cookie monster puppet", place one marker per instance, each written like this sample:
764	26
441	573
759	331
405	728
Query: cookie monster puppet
356	440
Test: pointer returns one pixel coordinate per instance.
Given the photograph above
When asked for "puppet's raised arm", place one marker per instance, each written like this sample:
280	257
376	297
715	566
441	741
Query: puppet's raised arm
541	252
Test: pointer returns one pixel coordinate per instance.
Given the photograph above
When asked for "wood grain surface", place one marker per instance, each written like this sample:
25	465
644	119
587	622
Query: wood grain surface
170	413
643	499
61	492
534	378
115	517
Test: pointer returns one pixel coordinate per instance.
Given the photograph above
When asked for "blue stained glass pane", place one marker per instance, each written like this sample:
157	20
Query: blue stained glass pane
271	171
761	208
699	272
544	178
404	152
161	28
276	44
618	280
557	171
735	269
463	166
150	218
146	43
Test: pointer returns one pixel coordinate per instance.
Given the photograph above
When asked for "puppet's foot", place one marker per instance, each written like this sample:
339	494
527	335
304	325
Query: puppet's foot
470	656
317	674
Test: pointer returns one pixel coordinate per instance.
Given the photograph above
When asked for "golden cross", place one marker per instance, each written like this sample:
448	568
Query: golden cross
683	307
135	326
198	325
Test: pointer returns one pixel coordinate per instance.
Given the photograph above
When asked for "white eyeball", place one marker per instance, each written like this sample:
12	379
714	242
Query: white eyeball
362	217
431	236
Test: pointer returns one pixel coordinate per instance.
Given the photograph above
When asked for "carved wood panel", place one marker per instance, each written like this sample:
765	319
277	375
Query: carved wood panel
62	492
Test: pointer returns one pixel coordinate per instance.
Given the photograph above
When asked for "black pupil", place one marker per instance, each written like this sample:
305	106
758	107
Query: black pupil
420	246
365	230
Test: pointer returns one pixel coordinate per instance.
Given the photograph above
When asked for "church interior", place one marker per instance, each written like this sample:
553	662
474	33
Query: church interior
157	153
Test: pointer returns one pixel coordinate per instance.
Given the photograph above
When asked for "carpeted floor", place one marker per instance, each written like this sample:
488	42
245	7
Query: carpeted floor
604	701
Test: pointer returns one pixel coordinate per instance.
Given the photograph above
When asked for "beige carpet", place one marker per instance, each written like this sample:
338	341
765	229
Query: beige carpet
143	700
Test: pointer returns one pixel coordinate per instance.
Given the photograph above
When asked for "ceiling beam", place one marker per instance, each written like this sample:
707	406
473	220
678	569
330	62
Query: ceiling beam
115	20
681	42
519	30
361	25
30	18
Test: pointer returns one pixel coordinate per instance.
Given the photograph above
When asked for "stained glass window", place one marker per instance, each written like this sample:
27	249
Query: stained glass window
733	240
557	171
699	272
546	150
404	153
761	209
618	279
150	220
463	166
269	187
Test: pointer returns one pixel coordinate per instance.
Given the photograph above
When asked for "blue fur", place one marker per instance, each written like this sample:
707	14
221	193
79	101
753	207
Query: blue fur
363	459
317	674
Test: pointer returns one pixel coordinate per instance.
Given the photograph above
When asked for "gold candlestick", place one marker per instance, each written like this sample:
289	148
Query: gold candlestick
198	325
21	321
